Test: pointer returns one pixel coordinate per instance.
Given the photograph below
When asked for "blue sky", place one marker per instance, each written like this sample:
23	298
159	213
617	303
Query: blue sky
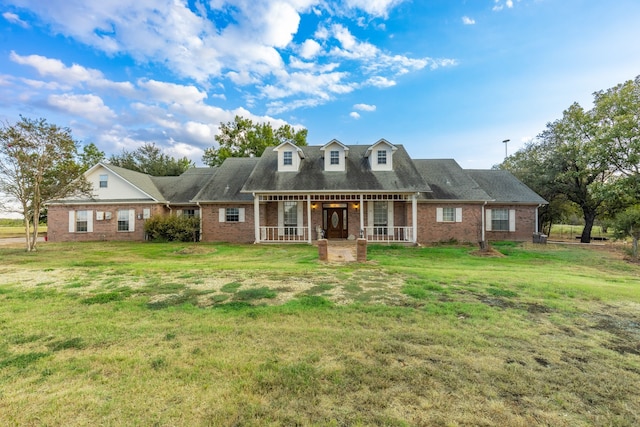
445	78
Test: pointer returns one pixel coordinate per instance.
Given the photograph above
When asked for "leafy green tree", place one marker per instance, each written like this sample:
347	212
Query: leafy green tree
149	159
244	138
90	156
38	163
627	224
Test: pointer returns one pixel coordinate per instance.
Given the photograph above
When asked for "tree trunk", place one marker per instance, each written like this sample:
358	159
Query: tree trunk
26	231
589	218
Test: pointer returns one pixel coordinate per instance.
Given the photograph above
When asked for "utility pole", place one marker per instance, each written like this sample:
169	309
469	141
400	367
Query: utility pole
505	147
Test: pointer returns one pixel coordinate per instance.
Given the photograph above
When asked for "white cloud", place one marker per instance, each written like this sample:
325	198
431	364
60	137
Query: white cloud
379	81
15	19
171	92
379	8
310	49
468	21
89	106
501	4
354	115
364	107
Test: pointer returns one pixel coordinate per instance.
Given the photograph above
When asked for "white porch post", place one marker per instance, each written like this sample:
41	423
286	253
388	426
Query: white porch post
364	234
256	216
309	217
414	217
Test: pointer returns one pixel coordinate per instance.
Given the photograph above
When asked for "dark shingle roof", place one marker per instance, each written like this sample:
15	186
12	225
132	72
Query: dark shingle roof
448	181
502	186
227	182
181	189
357	176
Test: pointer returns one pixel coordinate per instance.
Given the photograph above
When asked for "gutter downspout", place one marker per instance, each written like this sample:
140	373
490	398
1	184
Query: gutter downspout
483	225
199	222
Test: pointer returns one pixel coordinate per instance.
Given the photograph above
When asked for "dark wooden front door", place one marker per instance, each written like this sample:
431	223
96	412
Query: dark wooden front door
336	225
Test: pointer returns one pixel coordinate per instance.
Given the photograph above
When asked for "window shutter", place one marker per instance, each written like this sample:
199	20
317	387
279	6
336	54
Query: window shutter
390	231
241	214
458	214
280	219
132	220
488	216
72	221
300	217
439	215
512	220
89	221
222	215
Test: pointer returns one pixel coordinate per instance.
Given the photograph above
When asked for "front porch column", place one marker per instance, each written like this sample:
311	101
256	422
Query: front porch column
414	217
309	217
256	216
362	218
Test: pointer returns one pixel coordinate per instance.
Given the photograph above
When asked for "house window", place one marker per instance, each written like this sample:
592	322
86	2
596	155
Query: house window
125	220
382	157
290	218
500	219
287	158
335	157
449	214
104	179
232	215
82	221
380	218
189	213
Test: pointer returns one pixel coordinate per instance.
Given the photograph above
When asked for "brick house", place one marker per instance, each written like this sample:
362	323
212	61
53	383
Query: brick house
300	194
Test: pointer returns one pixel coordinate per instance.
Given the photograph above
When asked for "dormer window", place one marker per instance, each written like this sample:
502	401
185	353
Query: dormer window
335	157
287	158
382	157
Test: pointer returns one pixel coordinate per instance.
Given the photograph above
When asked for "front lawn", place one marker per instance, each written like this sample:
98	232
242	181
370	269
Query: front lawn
205	334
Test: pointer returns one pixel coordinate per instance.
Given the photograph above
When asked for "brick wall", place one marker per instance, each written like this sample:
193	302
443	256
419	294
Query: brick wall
236	232
470	229
106	229
431	231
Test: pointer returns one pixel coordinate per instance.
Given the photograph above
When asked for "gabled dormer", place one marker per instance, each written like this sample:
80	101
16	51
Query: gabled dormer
335	154
380	155
289	157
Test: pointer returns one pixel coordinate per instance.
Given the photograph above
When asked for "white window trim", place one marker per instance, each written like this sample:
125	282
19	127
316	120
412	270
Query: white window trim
222	215
512	220
440	215
73	221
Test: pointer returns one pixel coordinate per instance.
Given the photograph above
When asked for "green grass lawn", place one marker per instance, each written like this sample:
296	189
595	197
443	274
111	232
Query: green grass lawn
204	334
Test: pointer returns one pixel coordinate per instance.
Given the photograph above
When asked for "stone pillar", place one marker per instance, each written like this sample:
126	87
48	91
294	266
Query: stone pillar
323	250
361	250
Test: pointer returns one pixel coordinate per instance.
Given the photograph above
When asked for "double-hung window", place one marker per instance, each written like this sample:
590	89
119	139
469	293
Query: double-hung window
334	157
126	219
290	218
287	158
104	181
82	221
500	219
232	215
449	214
382	157
380	218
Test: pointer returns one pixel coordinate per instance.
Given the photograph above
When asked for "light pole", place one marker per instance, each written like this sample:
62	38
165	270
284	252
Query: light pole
505	147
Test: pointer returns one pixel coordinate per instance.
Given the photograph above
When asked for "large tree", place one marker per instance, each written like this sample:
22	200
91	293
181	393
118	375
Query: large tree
244	138
38	162
151	160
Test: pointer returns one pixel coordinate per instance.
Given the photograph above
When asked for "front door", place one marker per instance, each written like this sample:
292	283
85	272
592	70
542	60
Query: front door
336	223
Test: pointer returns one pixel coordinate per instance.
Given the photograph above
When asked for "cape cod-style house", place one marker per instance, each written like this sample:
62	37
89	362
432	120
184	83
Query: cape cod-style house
300	194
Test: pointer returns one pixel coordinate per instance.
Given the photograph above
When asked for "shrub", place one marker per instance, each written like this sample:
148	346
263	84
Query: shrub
172	228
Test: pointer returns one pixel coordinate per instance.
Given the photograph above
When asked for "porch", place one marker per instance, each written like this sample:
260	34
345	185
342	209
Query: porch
296	218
